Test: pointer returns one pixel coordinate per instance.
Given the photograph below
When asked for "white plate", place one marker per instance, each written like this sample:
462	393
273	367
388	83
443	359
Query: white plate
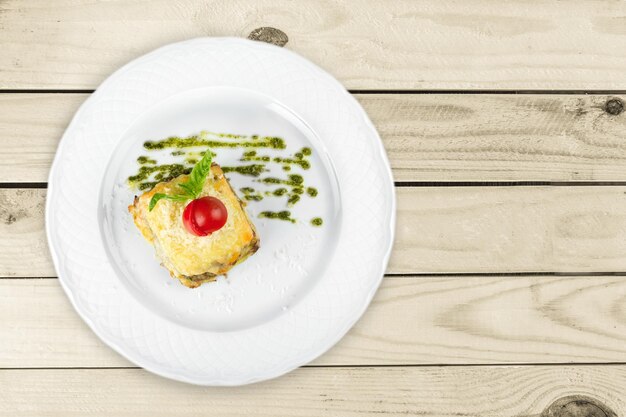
306	286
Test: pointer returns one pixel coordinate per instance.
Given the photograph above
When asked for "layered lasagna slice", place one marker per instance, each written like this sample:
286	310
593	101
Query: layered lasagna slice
192	259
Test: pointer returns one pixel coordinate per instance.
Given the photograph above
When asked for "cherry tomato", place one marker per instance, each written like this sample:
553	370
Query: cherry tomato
204	216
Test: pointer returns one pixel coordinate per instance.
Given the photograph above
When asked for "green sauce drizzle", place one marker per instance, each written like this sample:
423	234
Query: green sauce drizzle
279	192
295	180
252	156
298	159
304	164
253	170
145	160
317	221
293	187
272	142
250	194
256	197
293	199
148	185
164	172
280	215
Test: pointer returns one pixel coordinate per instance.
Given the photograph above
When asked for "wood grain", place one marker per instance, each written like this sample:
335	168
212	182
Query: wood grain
500	137
412	320
313	392
439	230
31	126
400	44
510	229
436	137
23	243
385	364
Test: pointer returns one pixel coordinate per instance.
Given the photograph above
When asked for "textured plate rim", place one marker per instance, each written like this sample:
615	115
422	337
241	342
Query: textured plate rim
279	371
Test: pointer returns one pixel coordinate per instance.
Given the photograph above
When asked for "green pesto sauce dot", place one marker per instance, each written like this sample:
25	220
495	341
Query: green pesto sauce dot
253	170
146	160
253	197
317	221
293	199
280	215
296	179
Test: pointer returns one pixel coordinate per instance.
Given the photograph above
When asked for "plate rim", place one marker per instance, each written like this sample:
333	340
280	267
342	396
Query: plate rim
278	370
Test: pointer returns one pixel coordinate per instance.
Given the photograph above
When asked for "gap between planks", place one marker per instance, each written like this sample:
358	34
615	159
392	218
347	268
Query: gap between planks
349	366
40	185
461	274
366	92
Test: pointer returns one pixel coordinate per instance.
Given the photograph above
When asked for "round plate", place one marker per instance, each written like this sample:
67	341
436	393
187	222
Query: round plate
306	286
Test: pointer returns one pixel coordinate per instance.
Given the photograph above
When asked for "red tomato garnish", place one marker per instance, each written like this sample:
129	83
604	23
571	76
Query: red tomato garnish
204	216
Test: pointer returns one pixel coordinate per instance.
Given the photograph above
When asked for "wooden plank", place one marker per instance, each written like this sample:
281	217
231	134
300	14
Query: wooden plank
23	244
400	44
311	392
510	229
31	126
436	137
500	137
439	230
425	321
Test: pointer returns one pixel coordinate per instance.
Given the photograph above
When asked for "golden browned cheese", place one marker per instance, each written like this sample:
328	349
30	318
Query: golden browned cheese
195	259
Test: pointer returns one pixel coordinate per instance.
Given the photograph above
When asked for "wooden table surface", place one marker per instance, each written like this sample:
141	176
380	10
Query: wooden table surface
506	130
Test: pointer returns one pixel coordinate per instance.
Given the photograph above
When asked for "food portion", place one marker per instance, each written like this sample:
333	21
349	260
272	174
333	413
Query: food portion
191	215
198	226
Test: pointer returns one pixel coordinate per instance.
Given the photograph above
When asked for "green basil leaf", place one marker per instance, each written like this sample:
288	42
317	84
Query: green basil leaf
194	184
159	196
188	189
198	175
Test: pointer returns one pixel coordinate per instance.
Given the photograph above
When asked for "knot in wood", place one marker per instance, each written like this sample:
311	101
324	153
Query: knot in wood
270	35
614	106
577	406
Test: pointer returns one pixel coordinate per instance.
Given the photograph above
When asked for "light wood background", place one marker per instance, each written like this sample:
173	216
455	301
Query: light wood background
506	130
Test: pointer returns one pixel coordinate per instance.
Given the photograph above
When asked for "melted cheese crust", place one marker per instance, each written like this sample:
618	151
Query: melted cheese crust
195	259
